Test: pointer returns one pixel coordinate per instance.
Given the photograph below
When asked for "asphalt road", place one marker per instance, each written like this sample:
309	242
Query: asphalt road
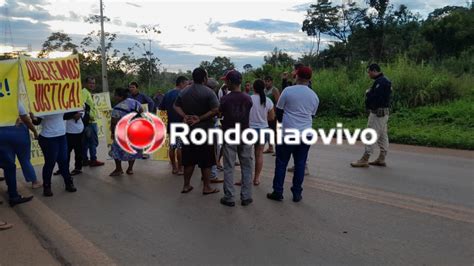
418	210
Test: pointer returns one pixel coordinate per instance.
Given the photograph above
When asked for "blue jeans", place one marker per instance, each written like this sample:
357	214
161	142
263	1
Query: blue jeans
283	154
23	152
91	141
55	150
9	142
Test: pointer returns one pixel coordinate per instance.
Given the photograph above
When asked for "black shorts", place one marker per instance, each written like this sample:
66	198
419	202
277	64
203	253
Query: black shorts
202	155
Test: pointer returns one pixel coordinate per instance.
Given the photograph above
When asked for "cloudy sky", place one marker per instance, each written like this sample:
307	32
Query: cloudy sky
192	31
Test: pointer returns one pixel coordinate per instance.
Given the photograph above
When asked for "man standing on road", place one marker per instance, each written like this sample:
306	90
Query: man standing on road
235	108
198	105
90	137
274	94
285	83
295	109
173	117
377	102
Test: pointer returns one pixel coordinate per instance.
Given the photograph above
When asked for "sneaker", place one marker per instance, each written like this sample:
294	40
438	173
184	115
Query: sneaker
47	191
70	187
76	172
275	196
20	200
227	203
297	198
246	202
96	163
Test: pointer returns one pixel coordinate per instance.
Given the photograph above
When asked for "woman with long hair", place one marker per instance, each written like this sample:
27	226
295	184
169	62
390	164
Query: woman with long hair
260	114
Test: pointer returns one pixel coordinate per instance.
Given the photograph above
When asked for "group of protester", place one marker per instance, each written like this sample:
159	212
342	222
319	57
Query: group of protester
202	104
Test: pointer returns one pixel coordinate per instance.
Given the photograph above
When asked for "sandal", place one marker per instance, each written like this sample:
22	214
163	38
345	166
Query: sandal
175	172
116	173
268	151
256	182
5	226
238	183
220	168
187	190
211	192
181	172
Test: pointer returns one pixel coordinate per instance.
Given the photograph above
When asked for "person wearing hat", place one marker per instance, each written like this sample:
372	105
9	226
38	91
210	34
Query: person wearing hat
235	108
377	102
274	94
295	110
285	83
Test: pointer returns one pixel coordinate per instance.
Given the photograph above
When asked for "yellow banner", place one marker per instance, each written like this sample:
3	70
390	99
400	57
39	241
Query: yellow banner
53	85
102	101
8	92
163	153
36	153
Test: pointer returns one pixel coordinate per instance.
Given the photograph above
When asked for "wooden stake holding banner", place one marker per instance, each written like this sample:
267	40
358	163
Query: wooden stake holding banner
163	153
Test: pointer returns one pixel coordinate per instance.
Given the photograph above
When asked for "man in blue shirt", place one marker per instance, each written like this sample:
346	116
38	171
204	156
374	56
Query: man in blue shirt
173	117
140	97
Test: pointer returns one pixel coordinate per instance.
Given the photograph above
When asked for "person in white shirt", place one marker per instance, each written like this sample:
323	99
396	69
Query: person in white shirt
53	143
261	112
74	136
295	109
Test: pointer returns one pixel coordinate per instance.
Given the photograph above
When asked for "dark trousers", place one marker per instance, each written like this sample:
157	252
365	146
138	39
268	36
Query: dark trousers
74	142
54	150
9	141
283	154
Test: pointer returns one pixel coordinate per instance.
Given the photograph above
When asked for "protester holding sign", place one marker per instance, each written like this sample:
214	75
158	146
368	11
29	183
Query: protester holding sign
53	143
24	149
10	145
91	138
74	136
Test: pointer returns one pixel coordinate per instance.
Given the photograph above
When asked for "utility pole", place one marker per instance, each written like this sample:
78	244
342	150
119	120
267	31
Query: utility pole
105	85
151	69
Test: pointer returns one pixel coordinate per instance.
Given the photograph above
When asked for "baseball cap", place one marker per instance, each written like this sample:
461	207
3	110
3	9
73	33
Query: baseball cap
233	76
304	72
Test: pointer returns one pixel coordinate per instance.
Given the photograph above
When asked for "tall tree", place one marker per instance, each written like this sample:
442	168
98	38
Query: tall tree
278	58
319	17
218	66
57	41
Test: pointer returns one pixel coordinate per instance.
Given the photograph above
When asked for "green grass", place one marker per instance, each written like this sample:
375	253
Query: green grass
448	125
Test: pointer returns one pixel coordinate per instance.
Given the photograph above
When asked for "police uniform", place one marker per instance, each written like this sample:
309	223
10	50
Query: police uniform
377	103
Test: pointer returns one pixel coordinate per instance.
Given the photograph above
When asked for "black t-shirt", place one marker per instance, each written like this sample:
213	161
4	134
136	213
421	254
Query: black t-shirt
235	107
198	99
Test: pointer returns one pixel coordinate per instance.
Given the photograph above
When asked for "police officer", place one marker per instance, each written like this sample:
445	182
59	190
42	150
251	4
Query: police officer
377	102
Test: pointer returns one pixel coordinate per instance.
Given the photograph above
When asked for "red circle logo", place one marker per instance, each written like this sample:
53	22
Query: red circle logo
147	132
